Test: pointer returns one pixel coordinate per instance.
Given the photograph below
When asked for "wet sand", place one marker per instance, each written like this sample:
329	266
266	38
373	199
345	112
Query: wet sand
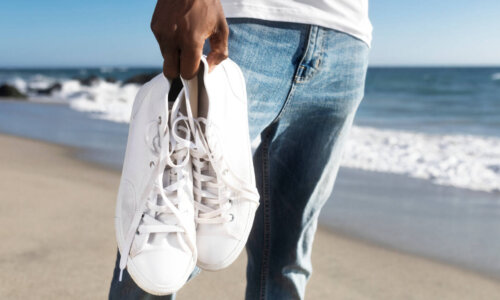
56	221
447	224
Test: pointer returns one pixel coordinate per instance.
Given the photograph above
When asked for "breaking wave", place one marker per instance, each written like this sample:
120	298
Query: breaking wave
464	161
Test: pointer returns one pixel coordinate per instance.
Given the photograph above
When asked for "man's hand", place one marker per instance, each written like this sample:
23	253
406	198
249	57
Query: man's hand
181	28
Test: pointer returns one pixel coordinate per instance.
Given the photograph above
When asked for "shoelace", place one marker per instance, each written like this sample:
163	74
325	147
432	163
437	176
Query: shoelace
216	186
151	216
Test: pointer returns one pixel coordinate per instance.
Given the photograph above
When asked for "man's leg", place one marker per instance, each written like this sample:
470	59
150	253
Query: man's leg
269	54
297	162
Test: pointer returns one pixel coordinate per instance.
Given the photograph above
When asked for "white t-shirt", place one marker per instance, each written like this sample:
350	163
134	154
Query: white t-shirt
349	16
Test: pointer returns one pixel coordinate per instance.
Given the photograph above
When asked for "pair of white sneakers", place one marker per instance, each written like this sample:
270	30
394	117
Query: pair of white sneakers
187	195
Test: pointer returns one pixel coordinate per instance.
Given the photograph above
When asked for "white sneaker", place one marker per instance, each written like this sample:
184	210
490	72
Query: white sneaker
225	194
154	222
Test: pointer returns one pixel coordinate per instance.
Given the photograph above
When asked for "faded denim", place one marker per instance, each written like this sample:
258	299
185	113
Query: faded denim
304	85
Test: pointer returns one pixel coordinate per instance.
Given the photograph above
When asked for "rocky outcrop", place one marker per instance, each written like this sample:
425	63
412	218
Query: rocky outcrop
9	91
48	91
110	79
88	81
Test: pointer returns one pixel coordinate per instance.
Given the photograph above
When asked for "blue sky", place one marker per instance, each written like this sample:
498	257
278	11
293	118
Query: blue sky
111	32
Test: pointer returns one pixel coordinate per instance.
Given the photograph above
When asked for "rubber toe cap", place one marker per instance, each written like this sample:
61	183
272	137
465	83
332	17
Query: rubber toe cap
162	271
216	251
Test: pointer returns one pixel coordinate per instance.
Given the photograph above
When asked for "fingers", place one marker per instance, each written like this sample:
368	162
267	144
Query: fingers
186	61
190	60
218	45
181	27
171	63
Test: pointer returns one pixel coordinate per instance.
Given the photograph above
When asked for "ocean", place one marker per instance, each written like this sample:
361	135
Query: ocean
437	124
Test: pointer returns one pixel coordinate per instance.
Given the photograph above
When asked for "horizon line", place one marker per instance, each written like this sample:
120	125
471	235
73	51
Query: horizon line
160	67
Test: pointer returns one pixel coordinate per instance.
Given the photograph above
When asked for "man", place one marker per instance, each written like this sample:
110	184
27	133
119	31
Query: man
304	63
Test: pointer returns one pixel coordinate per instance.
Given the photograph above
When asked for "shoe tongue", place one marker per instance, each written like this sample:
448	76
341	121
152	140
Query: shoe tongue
196	92
191	92
167	218
209	171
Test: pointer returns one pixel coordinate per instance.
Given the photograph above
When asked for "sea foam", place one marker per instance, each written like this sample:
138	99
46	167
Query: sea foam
101	99
465	161
104	100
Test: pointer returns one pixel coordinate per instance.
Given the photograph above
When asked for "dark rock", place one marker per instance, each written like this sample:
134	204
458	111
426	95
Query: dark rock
48	91
110	79
55	87
11	92
88	81
140	78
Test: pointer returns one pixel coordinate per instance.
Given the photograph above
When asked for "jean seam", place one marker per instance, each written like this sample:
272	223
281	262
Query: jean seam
285	104
294	79
266	214
300	67
318	37
319	48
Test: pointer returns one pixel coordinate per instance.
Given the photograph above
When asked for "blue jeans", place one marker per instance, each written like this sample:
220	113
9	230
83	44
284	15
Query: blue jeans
304	85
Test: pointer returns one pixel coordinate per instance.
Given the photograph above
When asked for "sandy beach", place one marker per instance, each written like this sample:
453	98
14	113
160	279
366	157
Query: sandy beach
56	219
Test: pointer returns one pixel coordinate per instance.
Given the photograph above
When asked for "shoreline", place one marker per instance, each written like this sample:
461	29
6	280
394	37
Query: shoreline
63	208
356	239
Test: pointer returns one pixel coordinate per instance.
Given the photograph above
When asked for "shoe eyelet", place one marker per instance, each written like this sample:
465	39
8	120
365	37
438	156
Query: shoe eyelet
159	120
151	164
231	202
232	218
